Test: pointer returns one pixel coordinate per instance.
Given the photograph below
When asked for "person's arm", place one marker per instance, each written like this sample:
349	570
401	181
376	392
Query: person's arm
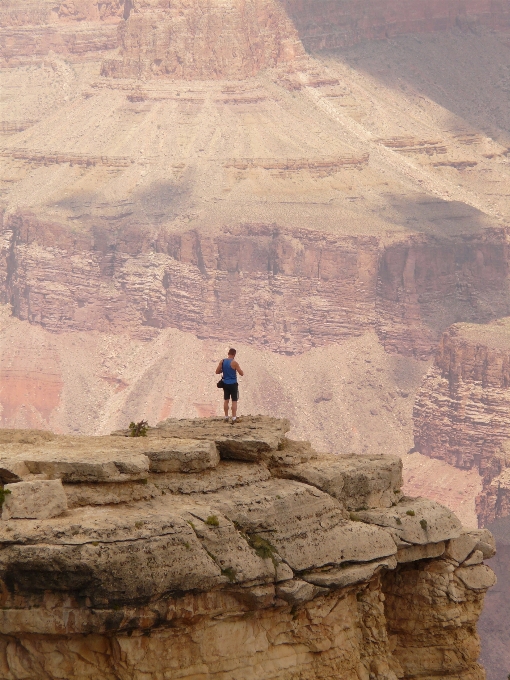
236	366
219	368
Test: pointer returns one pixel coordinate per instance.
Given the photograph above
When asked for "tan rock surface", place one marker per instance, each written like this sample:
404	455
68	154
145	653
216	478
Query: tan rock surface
248	440
247	210
39	499
460	548
183	456
266	574
366	482
418	521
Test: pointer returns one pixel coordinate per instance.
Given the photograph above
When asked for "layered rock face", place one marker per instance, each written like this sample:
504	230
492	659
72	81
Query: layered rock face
29	31
330	24
206	547
179	40
461	413
286	291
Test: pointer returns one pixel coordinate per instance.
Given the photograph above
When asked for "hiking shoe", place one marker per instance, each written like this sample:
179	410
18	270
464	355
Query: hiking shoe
226	419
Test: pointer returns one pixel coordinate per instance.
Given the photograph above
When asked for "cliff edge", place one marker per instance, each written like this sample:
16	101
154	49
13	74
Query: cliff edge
204	550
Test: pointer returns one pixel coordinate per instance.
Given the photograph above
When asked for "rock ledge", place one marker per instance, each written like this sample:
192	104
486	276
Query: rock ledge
205	547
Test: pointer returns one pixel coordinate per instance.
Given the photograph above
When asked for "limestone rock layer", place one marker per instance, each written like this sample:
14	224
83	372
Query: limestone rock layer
207	546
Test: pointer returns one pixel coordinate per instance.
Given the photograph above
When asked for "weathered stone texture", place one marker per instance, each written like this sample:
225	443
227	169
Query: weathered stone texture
209	567
461	412
39	499
179	40
288	283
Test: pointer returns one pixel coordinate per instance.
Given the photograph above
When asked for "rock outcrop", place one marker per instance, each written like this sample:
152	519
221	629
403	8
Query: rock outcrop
232	39
206	547
30	31
461	412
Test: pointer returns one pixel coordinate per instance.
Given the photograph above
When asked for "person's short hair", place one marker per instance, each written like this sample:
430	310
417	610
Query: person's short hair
232	352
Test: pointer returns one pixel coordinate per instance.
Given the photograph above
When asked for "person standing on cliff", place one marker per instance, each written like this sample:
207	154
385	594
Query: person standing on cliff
230	368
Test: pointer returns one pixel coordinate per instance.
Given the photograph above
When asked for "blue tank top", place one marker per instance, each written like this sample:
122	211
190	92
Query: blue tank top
229	373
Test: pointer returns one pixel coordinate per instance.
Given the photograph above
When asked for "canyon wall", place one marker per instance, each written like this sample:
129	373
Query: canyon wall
331	24
286	291
179	40
170	42
204	548
461	412
29	31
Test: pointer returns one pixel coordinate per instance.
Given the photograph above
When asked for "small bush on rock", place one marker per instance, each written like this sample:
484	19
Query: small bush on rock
138	429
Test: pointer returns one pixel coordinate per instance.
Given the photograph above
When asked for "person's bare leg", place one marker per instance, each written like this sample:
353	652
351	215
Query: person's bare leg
225	408
234	409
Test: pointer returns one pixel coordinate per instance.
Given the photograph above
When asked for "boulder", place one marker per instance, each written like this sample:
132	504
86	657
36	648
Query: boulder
291	452
418	521
459	548
476	557
485	542
479	577
40	499
112	557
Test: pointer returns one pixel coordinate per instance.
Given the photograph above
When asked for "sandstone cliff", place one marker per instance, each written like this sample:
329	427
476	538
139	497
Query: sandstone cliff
211	549
461	412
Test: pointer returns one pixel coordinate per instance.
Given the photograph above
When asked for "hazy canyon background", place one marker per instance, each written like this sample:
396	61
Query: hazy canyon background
324	185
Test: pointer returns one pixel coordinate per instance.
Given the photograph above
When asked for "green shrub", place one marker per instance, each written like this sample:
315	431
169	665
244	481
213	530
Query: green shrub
212	521
423	524
230	573
411	513
263	548
138	429
3	494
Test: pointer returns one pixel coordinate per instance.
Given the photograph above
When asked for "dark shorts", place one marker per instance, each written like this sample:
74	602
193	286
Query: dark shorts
231	392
